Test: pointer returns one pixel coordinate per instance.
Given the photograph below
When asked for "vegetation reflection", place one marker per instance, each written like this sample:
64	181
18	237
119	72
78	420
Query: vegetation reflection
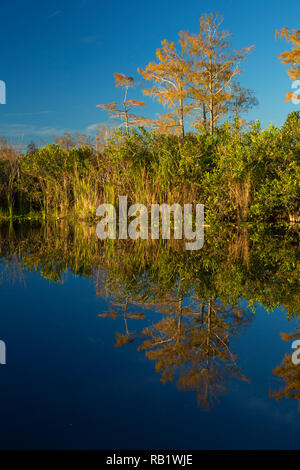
189	306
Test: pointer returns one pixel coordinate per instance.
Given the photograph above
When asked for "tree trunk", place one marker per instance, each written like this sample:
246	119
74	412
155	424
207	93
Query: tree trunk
204	117
126	119
211	120
181	117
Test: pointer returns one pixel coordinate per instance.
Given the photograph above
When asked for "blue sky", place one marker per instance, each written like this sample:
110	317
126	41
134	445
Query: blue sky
58	57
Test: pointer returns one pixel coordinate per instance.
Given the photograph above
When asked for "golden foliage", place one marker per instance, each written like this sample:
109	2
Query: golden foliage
123	80
215	66
171	78
122	112
292	57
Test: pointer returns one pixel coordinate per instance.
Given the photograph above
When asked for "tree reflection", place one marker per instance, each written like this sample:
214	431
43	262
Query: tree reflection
193	344
289	373
195	295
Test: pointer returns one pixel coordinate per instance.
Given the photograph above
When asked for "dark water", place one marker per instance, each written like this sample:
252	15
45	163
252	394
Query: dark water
132	345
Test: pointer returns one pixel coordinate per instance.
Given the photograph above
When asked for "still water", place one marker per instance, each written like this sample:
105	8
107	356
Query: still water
144	345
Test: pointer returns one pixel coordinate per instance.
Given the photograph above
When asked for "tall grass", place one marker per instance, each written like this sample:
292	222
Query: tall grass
240	174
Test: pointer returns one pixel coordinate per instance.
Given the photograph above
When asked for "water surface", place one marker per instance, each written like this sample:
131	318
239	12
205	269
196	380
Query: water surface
145	345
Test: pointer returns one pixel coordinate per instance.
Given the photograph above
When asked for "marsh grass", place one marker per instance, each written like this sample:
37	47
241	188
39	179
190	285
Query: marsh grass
241	174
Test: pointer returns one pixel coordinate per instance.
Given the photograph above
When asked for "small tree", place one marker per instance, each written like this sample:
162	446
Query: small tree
122	111
242	101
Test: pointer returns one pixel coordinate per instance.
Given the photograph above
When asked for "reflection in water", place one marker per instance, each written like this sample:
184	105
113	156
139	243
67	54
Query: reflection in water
196	341
196	296
289	372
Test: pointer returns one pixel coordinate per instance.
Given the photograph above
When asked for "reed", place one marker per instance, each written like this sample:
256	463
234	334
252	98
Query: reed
243	173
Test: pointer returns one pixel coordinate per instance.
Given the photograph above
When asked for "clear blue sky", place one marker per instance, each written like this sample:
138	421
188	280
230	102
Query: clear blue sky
58	57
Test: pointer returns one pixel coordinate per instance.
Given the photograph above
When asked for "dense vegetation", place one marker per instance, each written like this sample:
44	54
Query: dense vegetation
242	173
